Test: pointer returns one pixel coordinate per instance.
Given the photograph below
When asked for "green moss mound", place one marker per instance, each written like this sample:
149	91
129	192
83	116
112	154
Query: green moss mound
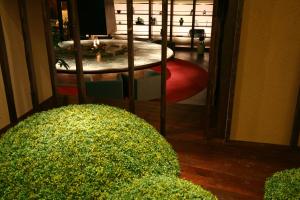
80	151
283	185
162	188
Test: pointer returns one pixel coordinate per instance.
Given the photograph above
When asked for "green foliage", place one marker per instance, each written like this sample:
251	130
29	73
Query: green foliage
62	63
162	188
283	185
80	151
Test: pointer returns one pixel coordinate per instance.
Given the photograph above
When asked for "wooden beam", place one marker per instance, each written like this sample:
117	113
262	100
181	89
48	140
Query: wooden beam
131	90
296	127
7	78
28	53
193	24
163	100
60	20
150	18
49	45
171	20
69	21
213	67
78	53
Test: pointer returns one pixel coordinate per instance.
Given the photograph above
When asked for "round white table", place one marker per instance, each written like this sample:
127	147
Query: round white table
146	54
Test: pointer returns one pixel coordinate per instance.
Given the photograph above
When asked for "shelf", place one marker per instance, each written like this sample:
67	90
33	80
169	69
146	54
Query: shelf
183	15
196	26
175	3
141	10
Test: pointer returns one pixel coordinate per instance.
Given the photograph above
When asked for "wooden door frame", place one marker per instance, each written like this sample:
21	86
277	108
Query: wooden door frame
296	126
226	30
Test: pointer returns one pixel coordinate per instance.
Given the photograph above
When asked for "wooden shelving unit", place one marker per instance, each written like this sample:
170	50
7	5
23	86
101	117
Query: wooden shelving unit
180	34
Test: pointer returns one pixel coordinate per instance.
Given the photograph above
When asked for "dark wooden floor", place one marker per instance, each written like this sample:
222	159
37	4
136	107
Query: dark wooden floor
233	170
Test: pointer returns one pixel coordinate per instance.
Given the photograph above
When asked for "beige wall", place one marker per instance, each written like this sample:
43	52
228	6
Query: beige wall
9	12
16	55
268	73
4	115
39	49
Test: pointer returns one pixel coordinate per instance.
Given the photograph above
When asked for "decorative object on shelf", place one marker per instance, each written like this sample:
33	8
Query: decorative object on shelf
191	13
204	12
160	12
153	21
118	11
81	151
120	22
181	21
139	21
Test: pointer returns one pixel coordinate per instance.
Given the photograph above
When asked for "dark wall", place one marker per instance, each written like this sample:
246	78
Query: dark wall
92	17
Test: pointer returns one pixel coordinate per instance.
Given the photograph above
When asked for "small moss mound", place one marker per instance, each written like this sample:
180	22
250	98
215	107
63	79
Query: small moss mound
283	185
80	151
162	187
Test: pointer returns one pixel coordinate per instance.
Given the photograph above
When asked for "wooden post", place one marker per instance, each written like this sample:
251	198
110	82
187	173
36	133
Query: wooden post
213	66
171	20
150	18
131	94
7	78
163	101
78	53
60	20
69	21
28	53
49	45
193	24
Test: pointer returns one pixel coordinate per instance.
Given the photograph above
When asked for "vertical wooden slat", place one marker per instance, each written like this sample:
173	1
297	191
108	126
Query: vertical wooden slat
163	104
49	45
171	20
78	53
6	77
213	66
28	53
296	126
193	24
131	94
233	69
69	20
60	20
150	17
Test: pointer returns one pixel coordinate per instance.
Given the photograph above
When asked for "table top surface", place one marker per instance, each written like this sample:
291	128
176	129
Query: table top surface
146	54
